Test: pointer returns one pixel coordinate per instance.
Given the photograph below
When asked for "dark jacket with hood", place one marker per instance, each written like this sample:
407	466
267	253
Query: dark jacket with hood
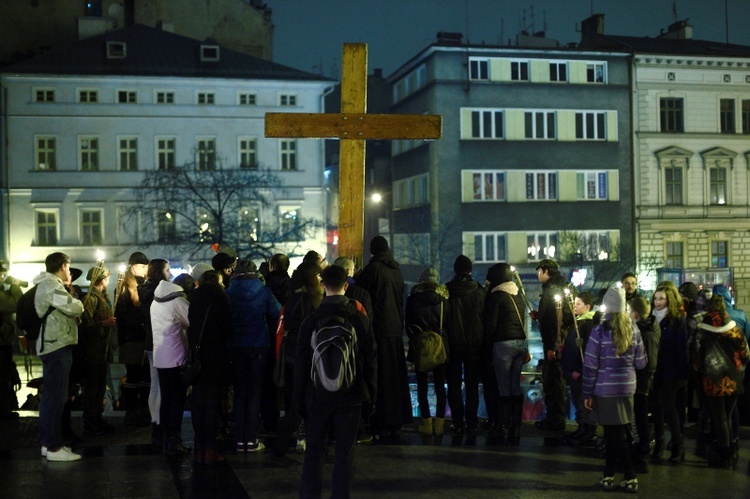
383	280
217	330
423	310
307	397
360	294
463	322
280	285
250	304
503	314
547	316
722	355
146	296
651	335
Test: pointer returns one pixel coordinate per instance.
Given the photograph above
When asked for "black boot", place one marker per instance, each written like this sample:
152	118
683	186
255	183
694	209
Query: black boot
587	437
678	453
130	395
157	436
516	415
505	407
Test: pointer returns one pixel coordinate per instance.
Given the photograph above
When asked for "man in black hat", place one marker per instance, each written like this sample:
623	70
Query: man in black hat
382	278
464	328
551	323
224	264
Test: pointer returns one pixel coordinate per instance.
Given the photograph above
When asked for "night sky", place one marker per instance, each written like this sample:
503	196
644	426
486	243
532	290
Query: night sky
309	34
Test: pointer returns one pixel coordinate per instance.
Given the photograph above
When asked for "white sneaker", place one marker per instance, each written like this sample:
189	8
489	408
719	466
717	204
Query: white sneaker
44	450
62	454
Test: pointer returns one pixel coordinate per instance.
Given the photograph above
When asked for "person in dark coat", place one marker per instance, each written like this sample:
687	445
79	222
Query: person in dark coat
278	280
464	331
354	291
505	337
382	278
336	413
301	303
210	327
426	307
131	338
553	283
251	305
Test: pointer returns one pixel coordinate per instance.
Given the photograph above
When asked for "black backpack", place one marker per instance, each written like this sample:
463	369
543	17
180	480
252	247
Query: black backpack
27	319
334	363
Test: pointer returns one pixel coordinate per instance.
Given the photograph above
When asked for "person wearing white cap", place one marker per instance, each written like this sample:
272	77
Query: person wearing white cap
613	353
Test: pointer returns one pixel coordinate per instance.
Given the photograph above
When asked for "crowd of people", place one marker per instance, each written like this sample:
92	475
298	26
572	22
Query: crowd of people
622	356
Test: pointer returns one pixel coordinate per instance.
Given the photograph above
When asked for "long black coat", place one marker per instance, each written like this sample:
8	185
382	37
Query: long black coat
424	306
383	280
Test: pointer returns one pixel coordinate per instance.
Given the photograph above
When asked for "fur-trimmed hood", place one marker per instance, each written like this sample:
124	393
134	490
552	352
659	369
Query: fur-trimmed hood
509	287
718	330
421	287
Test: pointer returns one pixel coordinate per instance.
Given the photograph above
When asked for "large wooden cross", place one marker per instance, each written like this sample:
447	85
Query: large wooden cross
353	127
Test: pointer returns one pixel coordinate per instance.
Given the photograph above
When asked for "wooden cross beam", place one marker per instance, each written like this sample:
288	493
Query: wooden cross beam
353	126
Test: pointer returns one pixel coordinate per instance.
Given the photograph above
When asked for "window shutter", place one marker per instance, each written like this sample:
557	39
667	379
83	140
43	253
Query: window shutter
612	135
514	124
566	125
516	242
613	185
566	186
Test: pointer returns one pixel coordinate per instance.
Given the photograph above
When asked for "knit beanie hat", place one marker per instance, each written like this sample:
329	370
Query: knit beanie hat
462	265
499	273
429	274
378	244
138	258
200	269
222	261
614	300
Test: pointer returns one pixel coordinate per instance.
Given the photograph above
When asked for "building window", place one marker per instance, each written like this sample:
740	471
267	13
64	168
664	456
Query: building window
44	95
206	149
206	98
673	185
166	228
519	70
126	97
410	192
247	99
558	71
288	154
673	255
746	116
287	100
88	152
489	185
247	155
46	228
592	185
206	227
165	153
479	69
210	53
591	125
117	50
593	245
719	254
489	247
91	227
289	224
540	124
88	96
596	72
249	219
487	124
165	97
541	186
671	115
540	245
127	153
726	115
45	153
718	185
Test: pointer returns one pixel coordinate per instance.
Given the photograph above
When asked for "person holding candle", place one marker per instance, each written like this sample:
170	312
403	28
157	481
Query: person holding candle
552	318
96	322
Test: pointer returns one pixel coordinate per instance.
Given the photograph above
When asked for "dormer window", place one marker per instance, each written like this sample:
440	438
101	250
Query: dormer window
210	53
116	50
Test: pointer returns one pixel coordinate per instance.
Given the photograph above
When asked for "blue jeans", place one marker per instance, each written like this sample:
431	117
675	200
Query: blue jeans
508	357
248	365
55	372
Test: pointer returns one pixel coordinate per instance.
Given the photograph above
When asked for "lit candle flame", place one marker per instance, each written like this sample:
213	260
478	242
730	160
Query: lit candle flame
99	255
